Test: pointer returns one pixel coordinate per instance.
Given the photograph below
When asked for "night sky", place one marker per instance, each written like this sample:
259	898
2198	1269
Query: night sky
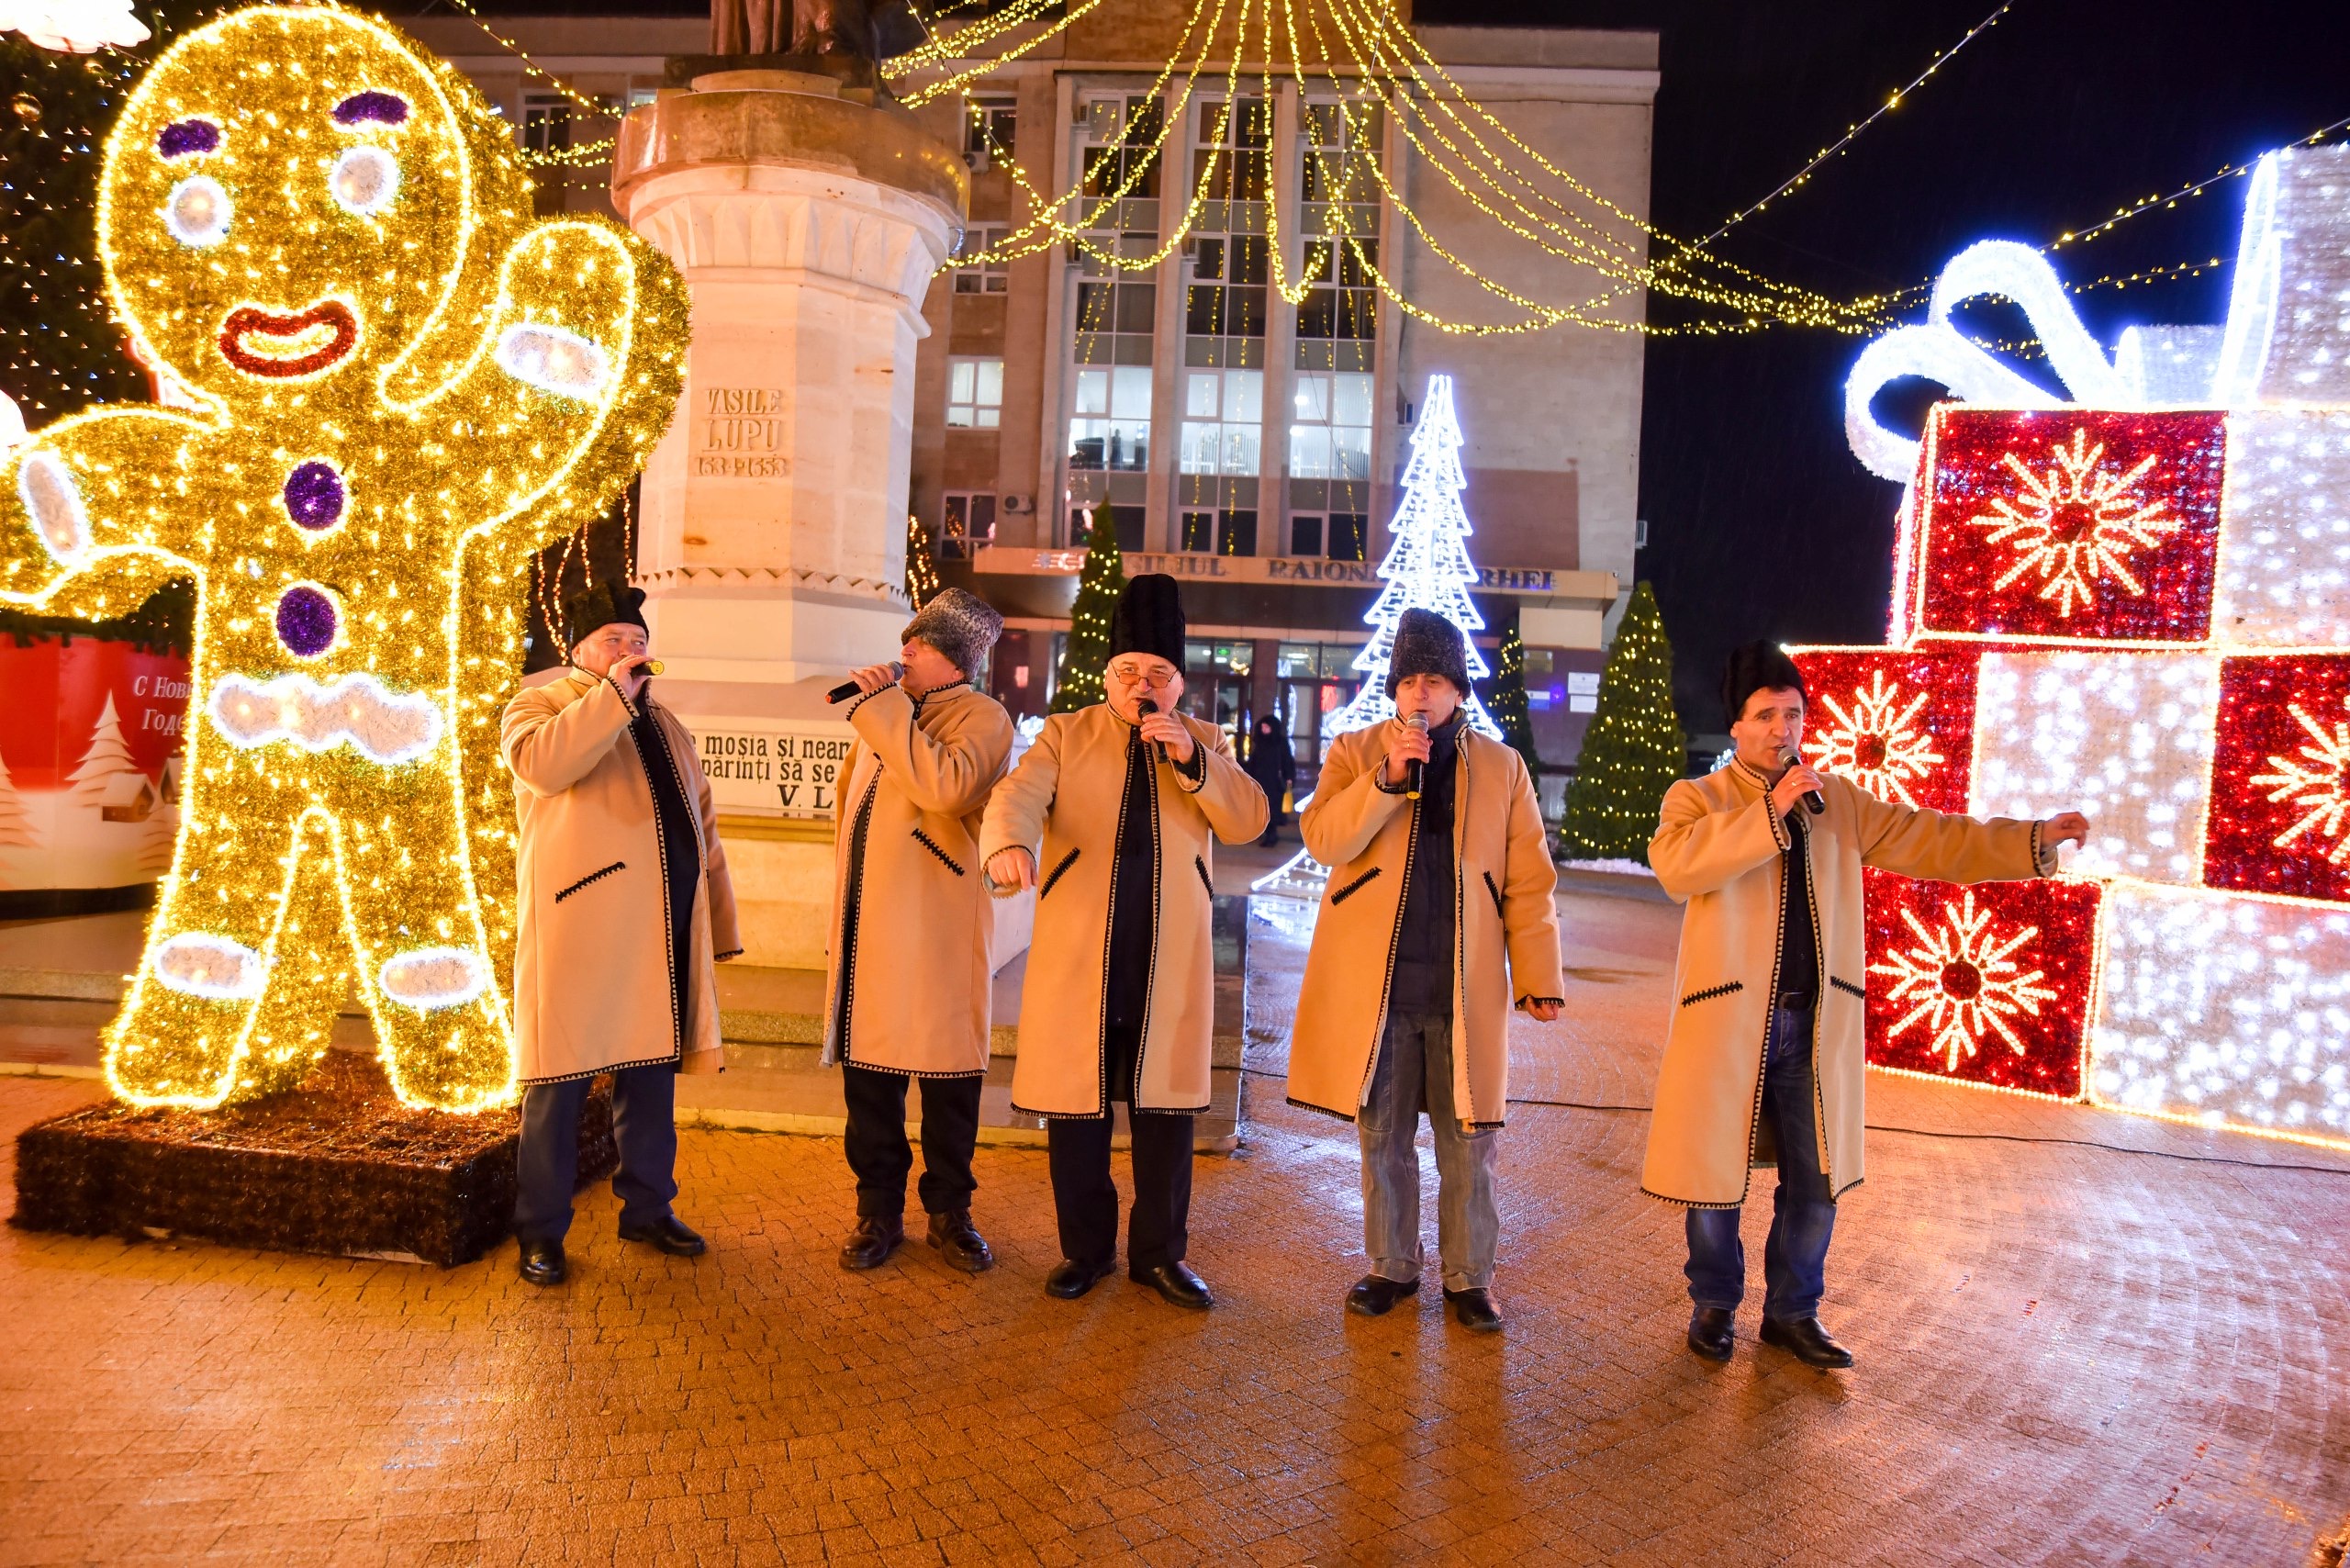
1761	523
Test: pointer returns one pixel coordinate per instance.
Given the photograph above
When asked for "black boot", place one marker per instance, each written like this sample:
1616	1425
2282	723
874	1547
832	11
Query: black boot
870	1244
1710	1332
1176	1284
959	1242
1375	1296
1475	1311
1807	1341
542	1262
669	1234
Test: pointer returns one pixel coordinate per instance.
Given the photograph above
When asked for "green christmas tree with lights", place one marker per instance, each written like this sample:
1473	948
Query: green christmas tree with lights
1078	683
1635	748
1506	699
921	568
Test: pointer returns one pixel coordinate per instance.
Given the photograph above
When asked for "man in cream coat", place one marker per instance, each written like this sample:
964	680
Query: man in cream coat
1765	1061
625	904
911	957
1123	798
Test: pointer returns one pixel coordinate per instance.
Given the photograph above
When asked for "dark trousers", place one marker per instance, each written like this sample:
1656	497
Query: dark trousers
880	1154
1086	1199
645	1125
1803	1216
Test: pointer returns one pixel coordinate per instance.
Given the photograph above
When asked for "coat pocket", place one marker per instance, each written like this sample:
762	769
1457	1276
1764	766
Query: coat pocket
932	844
1058	872
1847	987
1710	992
1201	867
1351	888
1496	894
591	877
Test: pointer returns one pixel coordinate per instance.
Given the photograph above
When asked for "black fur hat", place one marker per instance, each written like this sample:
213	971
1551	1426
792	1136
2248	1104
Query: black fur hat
601	605
1757	667
1426	644
1149	619
959	624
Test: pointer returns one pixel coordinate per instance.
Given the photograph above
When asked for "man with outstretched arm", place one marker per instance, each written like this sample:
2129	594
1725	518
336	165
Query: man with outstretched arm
1124	800
1437	912
911	958
1764	1062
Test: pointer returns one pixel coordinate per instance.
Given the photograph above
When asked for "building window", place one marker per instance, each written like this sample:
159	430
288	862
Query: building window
1226	296
989	124
546	122
1118	152
987	275
1110	426
967	522
1223	417
1232	160
1341	305
1337	536
974	393
1228	530
1329	433
1126	522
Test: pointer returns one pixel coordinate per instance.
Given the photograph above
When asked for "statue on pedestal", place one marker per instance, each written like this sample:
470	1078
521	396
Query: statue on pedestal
845	30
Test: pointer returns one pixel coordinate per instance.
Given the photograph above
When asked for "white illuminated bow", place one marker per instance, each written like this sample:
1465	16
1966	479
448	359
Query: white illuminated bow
1939	352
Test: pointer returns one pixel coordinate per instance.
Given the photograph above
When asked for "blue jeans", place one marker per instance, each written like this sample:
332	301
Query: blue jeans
1803	1216
644	1125
1414	1074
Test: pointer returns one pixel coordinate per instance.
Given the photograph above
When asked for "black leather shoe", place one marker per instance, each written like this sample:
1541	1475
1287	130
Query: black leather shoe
1375	1296
959	1242
870	1244
669	1234
1807	1341
1072	1279
1176	1283
542	1262
1709	1333
1475	1311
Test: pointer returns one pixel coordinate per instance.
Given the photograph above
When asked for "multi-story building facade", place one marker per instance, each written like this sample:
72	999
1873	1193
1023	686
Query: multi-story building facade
1247	443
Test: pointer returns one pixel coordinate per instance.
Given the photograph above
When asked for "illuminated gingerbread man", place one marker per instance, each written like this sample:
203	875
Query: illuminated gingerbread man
392	385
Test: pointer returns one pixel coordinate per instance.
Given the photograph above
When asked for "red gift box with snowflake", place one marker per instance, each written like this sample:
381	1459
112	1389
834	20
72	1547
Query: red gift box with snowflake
1989	984
2074	525
2130	598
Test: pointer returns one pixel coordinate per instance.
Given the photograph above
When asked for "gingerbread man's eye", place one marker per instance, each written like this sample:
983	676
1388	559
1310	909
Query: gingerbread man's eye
372	108
197	212
365	180
182	138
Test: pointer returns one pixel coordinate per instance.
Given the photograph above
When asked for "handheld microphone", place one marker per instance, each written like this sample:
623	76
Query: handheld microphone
1812	801
1145	708
848	689
1412	768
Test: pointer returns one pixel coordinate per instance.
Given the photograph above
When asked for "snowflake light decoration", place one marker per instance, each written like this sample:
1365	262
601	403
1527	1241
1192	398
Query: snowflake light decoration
1962	981
2315	783
1877	741
2076	523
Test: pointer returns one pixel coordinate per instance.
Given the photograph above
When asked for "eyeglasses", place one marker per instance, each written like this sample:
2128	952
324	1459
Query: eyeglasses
1133	675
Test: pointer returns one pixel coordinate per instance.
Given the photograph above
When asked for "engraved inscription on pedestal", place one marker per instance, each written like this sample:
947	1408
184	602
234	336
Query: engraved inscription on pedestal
792	770
739	433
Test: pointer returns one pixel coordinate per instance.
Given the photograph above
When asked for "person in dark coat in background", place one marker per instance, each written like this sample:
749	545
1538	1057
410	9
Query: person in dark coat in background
1274	769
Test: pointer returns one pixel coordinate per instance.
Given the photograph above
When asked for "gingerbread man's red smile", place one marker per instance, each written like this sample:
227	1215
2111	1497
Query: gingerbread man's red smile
285	345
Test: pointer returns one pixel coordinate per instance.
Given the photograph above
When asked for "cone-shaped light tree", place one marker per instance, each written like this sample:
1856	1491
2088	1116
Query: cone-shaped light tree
1078	682
1428	566
1635	748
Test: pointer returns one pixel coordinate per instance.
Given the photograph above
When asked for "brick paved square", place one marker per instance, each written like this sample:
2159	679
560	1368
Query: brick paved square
2067	1353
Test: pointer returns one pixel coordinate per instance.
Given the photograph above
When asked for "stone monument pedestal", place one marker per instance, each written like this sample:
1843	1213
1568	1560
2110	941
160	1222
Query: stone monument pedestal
807	216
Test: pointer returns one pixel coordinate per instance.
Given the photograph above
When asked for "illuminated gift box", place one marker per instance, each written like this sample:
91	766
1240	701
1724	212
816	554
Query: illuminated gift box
1899	721
2280	818
2080	525
1989	984
2134	601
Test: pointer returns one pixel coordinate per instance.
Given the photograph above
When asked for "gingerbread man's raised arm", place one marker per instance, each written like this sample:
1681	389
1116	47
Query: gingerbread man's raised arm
574	334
